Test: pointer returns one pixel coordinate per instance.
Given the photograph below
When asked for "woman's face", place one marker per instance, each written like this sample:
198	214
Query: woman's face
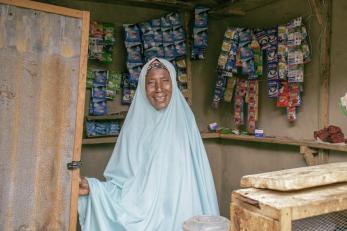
158	88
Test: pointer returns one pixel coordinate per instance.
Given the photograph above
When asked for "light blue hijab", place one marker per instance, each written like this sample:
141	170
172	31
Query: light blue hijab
158	175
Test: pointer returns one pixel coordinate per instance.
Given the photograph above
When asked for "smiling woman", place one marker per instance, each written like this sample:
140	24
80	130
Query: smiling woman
158	175
158	85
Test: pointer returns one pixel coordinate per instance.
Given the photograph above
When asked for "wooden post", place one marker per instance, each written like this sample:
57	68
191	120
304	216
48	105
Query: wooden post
286	220
187	16
308	155
323	15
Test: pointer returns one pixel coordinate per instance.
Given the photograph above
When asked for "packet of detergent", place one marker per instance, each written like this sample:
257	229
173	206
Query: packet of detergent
201	17
113	84
98	108
180	48
90	129
100	78
134	54
132	35
272	89
175	19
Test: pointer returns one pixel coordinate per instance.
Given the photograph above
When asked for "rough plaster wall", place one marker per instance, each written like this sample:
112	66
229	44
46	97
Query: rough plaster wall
338	80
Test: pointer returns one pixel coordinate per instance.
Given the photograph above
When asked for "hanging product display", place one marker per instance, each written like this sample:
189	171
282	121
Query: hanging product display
134	49
226	67
200	36
104	85
98	94
286	50
128	89
113	86
162	38
101	41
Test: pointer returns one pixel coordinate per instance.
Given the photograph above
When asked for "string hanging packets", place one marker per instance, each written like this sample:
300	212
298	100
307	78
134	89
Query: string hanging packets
240	93
226	67
252	102
182	77
297	53
101	41
286	57
97	103
134	49
200	35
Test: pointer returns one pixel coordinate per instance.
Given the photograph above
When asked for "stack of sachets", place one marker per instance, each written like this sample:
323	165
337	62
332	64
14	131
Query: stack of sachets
200	36
134	48
101	41
102	128
128	89
104	86
97	105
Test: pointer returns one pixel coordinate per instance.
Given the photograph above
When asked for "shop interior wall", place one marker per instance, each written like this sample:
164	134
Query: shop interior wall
236	158
230	160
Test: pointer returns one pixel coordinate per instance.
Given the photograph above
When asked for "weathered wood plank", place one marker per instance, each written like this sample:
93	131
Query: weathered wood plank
302	203
79	117
298	178
245	220
44	7
40	65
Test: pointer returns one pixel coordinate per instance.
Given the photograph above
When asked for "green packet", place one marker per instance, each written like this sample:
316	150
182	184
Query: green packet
113	84
90	78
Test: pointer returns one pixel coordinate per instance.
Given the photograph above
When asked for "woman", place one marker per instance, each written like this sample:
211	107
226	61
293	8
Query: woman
158	175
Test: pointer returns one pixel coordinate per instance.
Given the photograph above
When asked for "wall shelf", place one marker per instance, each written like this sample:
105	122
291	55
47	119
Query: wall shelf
100	140
271	140
277	140
106	117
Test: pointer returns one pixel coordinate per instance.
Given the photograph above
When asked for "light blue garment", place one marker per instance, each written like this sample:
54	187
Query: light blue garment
158	175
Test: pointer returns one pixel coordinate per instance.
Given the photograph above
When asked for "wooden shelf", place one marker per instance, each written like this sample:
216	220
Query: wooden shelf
277	140
271	140
100	140
209	135
106	117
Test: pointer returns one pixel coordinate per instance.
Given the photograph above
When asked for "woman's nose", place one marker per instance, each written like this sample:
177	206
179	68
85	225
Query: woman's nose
158	86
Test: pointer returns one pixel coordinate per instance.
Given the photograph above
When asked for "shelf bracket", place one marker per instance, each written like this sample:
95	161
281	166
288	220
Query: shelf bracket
309	155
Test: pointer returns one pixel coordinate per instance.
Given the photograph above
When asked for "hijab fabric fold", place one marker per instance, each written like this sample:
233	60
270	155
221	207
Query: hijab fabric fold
158	175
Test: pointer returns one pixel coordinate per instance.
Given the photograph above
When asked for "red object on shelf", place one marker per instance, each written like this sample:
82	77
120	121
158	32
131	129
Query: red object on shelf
331	134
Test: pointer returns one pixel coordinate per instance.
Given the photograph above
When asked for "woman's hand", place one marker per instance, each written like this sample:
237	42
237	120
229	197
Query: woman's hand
84	186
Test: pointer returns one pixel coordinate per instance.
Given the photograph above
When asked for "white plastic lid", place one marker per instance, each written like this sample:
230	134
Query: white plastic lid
206	223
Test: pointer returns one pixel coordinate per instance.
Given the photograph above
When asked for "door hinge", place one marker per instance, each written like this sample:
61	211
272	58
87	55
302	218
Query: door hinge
74	165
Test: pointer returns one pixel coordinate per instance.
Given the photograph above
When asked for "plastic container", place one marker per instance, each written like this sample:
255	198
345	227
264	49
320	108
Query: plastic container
206	223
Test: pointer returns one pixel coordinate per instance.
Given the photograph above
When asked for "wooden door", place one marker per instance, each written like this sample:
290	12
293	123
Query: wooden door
43	56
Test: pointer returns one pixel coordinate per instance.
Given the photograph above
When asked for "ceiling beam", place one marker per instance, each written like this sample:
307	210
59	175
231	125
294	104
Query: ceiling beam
157	4
239	8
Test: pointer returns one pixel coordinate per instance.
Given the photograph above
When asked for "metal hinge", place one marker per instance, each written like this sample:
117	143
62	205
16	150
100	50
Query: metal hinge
74	165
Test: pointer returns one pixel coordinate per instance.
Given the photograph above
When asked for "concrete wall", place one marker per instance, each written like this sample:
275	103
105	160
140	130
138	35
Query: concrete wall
232	159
